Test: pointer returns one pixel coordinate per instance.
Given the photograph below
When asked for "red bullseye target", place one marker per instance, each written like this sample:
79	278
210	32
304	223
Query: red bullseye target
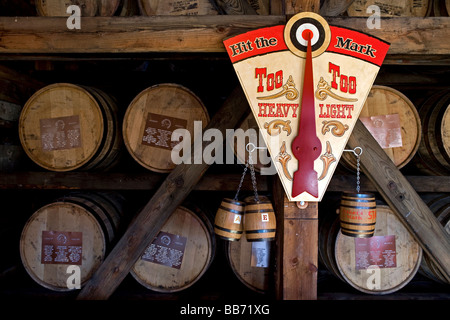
307	26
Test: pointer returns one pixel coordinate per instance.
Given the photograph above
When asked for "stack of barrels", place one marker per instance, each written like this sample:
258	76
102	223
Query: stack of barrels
66	127
378	265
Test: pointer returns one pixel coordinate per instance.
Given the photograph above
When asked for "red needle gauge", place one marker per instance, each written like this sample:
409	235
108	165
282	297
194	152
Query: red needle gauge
306	146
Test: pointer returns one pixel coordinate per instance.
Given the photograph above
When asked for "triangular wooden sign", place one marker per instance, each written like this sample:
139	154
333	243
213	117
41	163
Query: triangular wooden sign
306	83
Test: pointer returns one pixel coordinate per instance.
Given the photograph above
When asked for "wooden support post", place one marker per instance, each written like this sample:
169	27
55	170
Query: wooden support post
163	203
402	198
297	229
296	245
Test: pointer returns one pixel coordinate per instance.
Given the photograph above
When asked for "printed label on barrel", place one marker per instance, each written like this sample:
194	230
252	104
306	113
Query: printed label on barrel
60	133
237	219
377	251
61	247
158	130
264	217
386	129
166	249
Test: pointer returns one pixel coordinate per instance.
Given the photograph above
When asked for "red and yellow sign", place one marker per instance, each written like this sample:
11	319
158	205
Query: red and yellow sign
327	88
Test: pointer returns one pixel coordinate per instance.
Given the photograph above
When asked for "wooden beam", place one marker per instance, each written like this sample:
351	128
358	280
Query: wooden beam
145	226
146	181
413	40
296	245
125	35
402	198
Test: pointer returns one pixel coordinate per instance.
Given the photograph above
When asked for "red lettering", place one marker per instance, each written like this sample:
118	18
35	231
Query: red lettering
346	83
335	70
259	73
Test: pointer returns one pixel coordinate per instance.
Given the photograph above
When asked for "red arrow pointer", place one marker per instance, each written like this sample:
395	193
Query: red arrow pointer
306	146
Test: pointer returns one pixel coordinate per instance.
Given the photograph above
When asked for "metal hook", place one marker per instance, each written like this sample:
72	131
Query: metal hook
253	147
354	151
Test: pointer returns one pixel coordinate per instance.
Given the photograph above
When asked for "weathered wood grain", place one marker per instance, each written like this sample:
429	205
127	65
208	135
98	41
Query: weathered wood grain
412	39
296	266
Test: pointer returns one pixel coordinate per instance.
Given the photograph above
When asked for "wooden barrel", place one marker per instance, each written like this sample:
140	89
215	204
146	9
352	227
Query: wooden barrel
128	8
403	8
358	214
394	122
9	113
250	262
259	219
228	223
186	7
441	8
383	263
74	230
11	155
433	155
152	117
250	134
440	206
89	8
180	254
331	8
65	127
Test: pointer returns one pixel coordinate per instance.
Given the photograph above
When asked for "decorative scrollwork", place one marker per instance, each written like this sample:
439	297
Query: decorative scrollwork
274	127
327	158
324	90
283	157
338	128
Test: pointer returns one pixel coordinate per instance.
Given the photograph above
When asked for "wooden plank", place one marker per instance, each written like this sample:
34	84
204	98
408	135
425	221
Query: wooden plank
296	248
402	198
144	227
412	39
125	34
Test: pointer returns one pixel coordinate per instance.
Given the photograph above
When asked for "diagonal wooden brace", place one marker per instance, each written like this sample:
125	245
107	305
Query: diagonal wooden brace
402	198
145	226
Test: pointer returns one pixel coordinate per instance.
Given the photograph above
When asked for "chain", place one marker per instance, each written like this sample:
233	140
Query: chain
357	155
240	182
248	164
357	173
252	173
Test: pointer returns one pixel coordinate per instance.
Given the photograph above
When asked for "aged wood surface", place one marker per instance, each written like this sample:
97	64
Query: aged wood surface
412	39
44	180
295	274
402	198
173	190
